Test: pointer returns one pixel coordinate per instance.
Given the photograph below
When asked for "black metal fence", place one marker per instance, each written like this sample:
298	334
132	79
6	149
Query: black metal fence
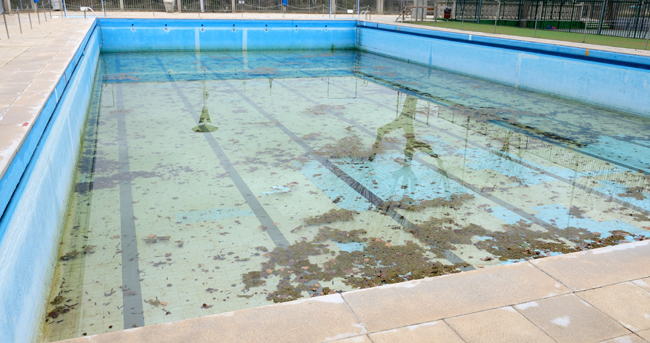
293	6
622	18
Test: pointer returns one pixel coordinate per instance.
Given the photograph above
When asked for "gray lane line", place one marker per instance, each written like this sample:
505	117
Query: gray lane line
475	189
350	181
131	290
271	229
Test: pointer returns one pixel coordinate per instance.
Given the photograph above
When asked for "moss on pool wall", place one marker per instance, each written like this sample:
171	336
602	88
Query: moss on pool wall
612	80
31	223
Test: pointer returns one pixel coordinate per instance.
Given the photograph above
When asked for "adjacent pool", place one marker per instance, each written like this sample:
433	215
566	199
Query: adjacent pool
228	165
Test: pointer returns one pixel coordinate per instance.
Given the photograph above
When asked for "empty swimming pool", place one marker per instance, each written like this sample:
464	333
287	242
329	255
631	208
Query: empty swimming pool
219	181
183	168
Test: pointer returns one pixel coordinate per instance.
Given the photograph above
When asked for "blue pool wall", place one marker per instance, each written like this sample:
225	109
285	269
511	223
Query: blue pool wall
30	227
127	35
607	79
36	187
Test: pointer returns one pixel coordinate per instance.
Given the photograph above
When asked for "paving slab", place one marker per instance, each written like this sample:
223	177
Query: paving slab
625	302
625	339
645	334
311	320
599	267
357	339
568	318
30	66
437	331
448	296
643	283
498	326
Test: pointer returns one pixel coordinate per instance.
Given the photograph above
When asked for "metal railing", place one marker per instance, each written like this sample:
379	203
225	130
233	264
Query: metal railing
28	15
293	6
621	18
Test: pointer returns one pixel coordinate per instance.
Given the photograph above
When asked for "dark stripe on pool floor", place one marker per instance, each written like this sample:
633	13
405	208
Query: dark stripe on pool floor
131	290
271	229
350	181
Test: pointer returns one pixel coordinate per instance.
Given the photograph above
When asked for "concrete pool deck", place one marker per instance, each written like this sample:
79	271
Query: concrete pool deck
590	296
601	295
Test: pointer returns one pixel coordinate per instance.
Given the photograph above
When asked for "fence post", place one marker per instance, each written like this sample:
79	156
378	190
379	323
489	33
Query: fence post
636	22
435	13
602	17
4	17
496	16
463	15
573	8
478	10
537	15
20	26
121	5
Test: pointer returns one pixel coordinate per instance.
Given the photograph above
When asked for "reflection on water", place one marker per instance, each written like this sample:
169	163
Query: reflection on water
329	171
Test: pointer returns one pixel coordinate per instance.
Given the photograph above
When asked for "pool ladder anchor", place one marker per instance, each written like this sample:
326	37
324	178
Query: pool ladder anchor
204	121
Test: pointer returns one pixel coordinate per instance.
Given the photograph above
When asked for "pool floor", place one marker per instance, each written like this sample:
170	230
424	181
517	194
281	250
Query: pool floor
219	181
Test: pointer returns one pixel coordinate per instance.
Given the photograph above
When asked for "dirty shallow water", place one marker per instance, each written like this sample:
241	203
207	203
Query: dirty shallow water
214	182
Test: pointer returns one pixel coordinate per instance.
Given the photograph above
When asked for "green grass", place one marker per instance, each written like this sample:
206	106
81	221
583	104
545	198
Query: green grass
619	42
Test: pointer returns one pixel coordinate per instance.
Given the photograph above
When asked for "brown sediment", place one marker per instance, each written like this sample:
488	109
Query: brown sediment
59	310
340	236
633	192
378	263
69	255
576	212
57	300
640	217
409	204
347	147
89	249
324	108
153	302
154	239
331	216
